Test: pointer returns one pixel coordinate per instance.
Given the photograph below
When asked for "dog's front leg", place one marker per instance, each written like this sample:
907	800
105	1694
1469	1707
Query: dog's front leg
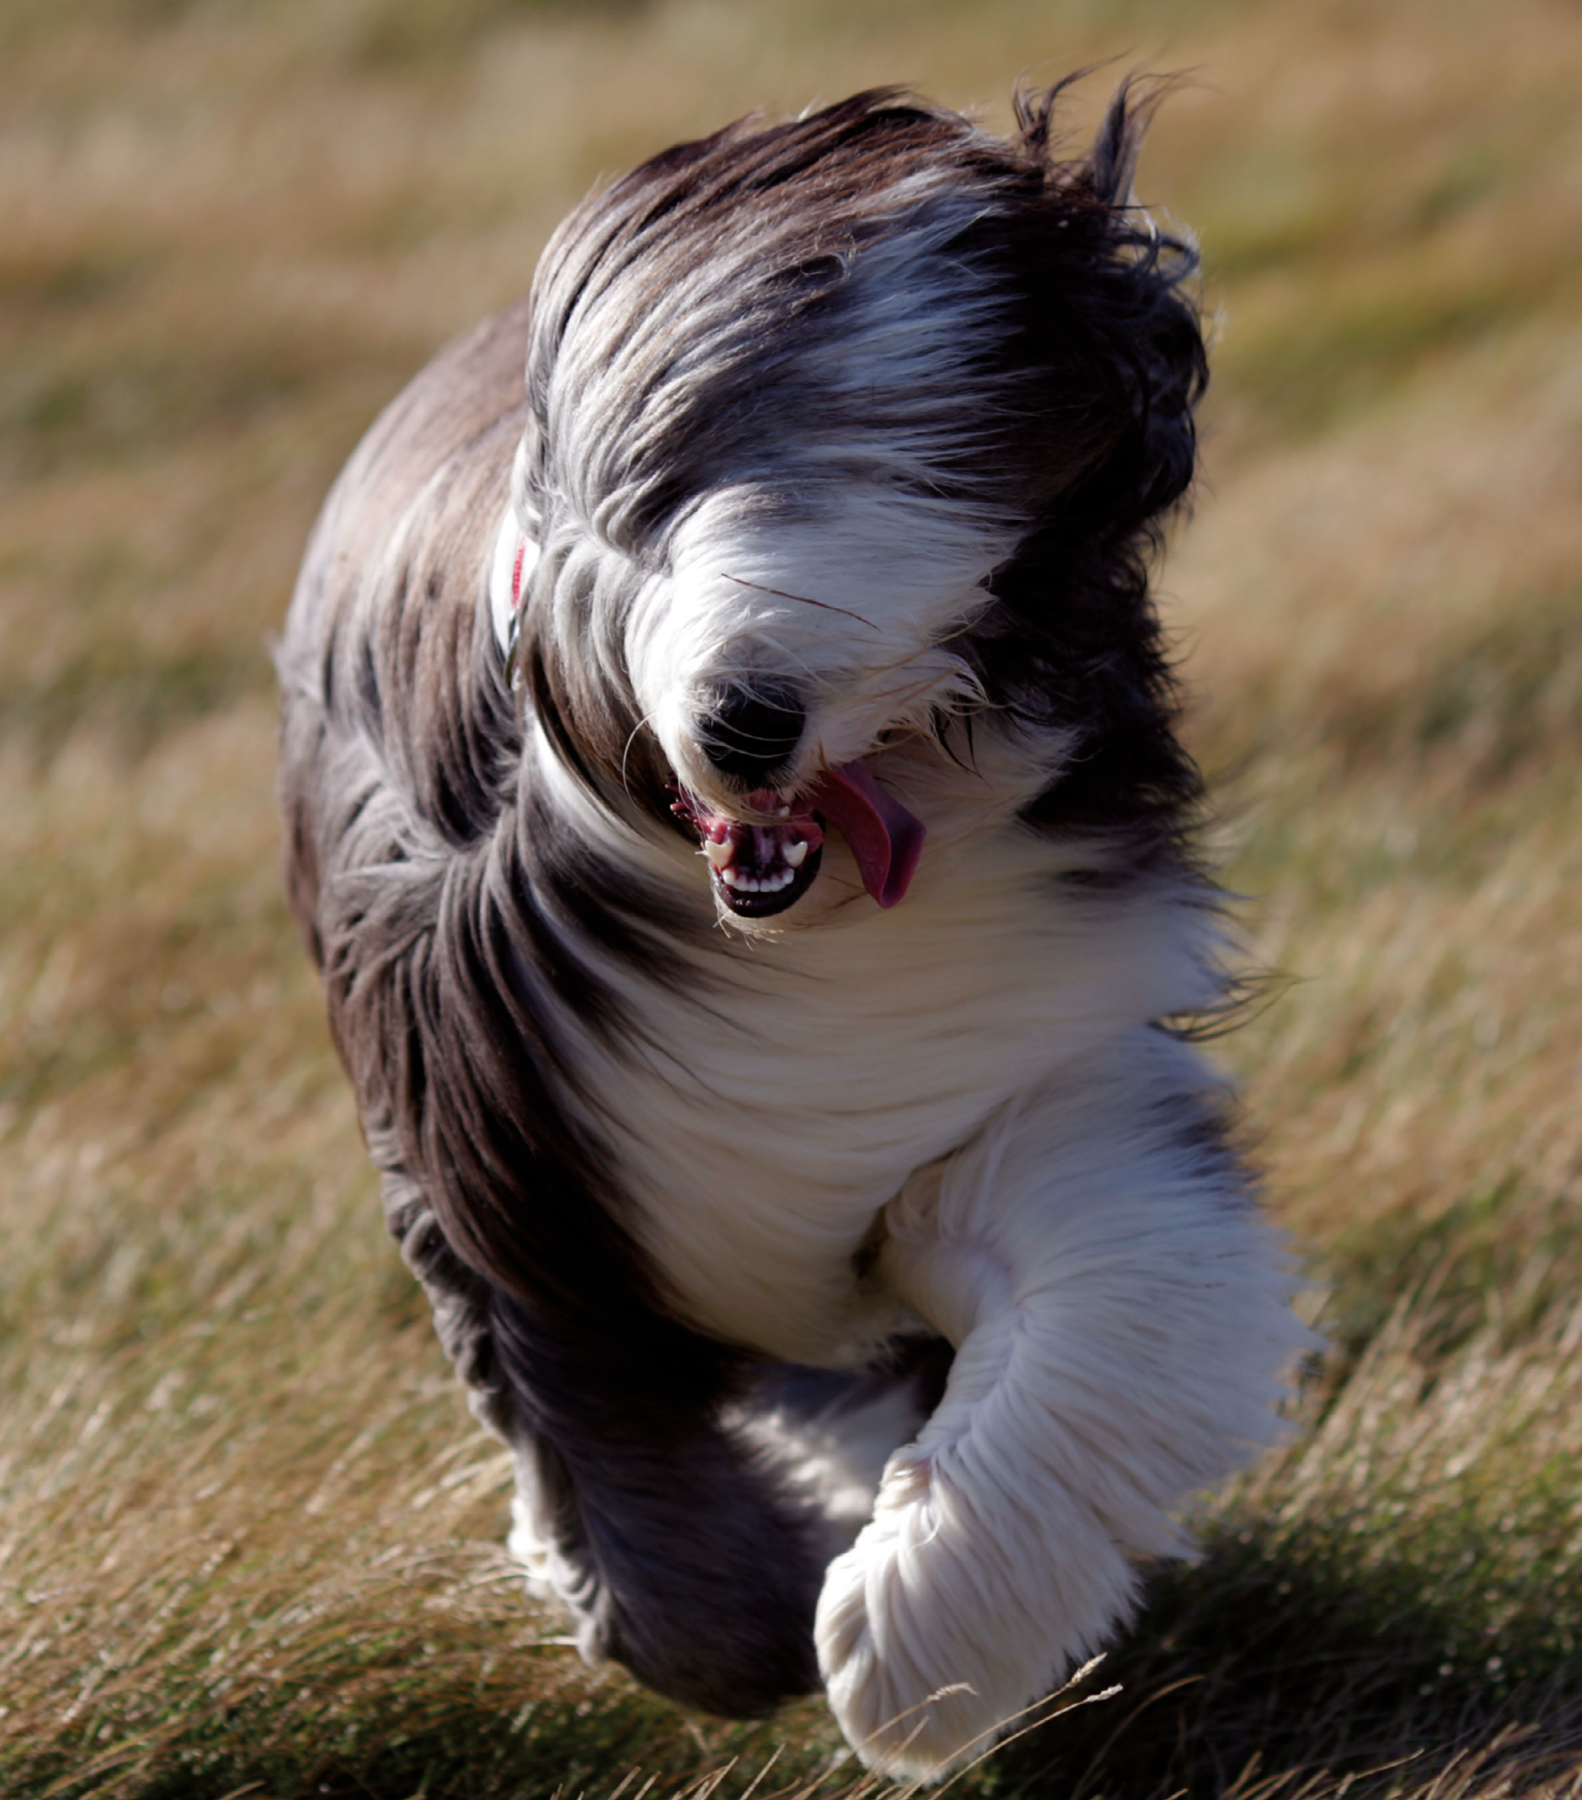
1122	1321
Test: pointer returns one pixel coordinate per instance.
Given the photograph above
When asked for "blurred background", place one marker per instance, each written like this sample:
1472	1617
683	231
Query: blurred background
249	1538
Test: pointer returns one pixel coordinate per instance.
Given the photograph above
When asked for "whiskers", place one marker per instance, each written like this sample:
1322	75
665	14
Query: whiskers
626	753
804	599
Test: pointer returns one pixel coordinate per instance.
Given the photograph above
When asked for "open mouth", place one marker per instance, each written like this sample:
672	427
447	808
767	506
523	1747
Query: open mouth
762	864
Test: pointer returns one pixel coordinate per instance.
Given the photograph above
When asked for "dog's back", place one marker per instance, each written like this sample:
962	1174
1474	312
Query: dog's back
395	550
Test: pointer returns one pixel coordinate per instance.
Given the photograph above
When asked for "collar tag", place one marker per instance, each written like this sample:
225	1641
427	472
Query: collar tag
515	557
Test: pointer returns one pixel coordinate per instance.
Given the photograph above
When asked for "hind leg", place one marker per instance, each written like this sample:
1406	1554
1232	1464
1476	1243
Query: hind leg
676	1553
1122	1320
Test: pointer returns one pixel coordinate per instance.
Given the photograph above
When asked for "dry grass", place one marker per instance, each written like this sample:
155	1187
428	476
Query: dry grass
248	1541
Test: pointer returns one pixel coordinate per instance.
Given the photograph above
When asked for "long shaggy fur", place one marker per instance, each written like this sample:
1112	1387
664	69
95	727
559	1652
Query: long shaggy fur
861	1288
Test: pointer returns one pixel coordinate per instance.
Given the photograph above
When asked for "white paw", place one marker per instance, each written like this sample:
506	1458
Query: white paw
953	1613
532	1550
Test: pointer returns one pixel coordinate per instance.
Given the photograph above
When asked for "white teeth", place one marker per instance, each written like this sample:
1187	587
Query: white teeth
755	884
719	854
796	854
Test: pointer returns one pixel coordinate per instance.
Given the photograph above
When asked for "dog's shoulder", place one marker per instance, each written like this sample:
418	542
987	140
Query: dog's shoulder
447	437
381	654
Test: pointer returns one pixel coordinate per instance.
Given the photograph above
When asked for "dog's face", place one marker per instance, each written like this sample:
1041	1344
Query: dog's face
794	632
796	396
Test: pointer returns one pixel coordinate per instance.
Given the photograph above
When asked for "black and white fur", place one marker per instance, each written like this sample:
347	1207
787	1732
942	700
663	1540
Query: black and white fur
861	1289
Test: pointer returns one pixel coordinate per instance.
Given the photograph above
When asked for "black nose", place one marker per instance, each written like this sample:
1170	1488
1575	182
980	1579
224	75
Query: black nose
752	731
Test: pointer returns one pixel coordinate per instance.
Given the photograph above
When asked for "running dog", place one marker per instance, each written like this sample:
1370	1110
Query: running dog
732	795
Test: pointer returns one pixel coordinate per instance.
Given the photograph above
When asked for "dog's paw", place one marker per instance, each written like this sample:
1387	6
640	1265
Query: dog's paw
946	1620
533	1549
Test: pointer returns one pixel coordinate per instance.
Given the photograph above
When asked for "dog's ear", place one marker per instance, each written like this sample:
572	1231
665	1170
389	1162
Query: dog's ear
1124	349
1110	362
1154	266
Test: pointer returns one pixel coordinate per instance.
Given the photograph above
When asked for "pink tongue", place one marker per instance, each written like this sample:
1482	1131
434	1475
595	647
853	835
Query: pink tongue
884	837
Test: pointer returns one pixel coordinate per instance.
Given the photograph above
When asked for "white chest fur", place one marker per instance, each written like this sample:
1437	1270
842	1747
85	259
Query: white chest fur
766	1125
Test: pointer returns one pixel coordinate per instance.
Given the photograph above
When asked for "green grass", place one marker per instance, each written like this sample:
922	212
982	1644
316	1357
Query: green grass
250	1543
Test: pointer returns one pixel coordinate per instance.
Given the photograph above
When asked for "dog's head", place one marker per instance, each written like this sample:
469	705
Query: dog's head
808	404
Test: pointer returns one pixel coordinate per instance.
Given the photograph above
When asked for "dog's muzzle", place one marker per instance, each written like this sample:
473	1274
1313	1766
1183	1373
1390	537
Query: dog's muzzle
764	863
765	860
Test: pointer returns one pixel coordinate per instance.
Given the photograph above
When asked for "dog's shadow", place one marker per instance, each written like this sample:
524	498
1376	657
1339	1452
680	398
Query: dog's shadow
1265	1666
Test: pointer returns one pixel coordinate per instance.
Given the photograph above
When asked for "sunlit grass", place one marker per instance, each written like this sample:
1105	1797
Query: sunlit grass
249	1539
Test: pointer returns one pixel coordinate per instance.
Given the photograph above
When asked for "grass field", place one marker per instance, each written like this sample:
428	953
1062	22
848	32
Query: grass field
250	1543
